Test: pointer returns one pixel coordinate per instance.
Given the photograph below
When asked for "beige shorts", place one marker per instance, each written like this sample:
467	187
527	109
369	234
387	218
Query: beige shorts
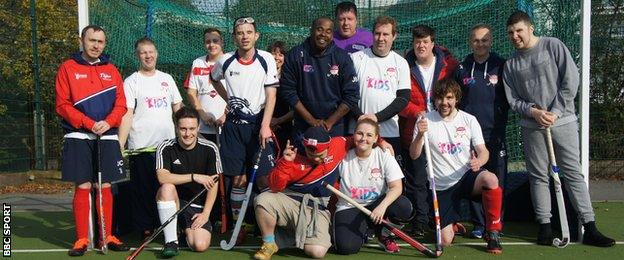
286	212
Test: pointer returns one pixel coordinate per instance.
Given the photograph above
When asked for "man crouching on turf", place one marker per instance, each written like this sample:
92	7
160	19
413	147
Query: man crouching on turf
185	166
457	169
296	180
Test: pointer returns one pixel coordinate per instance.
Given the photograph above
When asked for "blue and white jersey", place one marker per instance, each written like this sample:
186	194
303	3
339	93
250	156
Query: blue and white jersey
245	83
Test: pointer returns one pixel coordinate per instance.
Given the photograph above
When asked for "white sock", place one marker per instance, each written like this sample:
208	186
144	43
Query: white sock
166	209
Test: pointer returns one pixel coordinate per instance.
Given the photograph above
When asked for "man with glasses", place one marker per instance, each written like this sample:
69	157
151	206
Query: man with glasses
251	82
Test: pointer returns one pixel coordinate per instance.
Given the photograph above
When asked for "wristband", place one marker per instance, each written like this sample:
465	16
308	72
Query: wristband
192	179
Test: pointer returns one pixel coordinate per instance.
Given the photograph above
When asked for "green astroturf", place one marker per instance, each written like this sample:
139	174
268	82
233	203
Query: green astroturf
54	230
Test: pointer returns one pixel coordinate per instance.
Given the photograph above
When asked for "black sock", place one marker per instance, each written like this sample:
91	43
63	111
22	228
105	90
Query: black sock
590	227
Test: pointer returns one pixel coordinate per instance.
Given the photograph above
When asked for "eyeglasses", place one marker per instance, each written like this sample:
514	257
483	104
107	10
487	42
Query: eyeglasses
213	40
244	20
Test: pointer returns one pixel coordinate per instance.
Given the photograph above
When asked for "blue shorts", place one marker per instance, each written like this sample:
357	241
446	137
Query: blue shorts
449	200
239	150
80	161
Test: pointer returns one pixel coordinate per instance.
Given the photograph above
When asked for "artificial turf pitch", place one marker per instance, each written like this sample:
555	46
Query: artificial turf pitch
48	235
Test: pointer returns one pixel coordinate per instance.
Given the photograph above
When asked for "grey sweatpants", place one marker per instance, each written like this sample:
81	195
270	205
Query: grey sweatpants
566	146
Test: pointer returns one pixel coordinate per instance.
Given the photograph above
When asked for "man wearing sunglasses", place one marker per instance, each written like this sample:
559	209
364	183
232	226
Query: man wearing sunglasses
251	83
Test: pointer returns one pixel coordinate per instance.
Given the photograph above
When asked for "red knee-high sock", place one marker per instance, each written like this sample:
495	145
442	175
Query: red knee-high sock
493	204
107	204
82	206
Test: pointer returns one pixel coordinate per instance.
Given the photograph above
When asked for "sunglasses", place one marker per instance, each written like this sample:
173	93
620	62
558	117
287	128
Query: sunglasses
244	20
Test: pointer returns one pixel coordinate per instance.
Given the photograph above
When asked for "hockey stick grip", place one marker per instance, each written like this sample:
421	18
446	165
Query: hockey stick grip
420	247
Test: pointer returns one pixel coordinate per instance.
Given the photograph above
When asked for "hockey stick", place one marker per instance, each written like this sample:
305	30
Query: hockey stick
103	246
162	227
434	195
420	247
221	188
563	218
239	222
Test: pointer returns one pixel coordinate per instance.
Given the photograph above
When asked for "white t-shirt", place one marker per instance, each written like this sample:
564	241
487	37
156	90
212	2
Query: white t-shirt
367	180
210	100
427	74
245	82
450	143
380	78
152	98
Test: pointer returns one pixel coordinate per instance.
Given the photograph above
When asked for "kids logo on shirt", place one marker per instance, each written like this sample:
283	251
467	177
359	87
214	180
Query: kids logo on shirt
450	148
156	102
379	84
375	174
364	193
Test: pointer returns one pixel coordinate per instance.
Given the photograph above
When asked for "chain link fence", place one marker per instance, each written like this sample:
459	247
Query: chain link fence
177	25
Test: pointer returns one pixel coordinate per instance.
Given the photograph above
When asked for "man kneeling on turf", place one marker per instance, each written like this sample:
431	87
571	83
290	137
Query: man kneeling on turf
297	198
185	166
457	170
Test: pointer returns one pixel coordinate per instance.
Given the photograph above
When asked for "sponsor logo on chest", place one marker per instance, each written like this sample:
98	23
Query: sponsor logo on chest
234	73
106	76
202	71
80	76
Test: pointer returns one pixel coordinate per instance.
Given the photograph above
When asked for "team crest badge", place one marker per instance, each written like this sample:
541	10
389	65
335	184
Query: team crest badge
493	79
333	70
391	72
213	93
375	174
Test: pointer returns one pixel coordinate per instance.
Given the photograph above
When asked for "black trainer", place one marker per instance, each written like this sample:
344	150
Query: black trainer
545	235
593	237
170	250
418	230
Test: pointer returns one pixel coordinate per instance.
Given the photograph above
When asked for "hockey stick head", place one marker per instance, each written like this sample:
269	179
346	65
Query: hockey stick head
561	243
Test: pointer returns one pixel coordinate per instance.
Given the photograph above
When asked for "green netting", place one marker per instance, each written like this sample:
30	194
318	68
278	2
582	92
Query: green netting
177	27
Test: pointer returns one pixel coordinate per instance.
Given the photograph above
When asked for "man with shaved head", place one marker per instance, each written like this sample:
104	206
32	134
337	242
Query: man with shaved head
319	81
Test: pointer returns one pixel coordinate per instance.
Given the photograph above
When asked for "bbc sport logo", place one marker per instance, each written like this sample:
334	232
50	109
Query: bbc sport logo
6	230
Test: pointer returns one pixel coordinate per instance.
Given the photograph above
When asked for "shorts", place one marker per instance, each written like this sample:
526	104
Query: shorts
239	150
449	200
285	210
80	161
185	220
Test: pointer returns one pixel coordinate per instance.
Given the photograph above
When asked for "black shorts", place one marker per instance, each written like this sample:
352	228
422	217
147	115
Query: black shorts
449	200
185	220
80	160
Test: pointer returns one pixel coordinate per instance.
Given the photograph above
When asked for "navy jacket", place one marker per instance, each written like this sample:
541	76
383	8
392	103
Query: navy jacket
320	82
483	94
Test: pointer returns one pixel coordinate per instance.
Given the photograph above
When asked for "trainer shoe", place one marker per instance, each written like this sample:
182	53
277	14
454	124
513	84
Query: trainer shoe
459	229
80	247
593	237
113	243
266	251
417	230
545	236
388	244
477	232
493	242
170	250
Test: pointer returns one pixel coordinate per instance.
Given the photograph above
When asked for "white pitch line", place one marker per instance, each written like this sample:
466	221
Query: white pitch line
256	247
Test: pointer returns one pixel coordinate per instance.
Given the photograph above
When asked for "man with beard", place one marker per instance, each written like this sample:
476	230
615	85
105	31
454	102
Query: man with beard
319	82
452	136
